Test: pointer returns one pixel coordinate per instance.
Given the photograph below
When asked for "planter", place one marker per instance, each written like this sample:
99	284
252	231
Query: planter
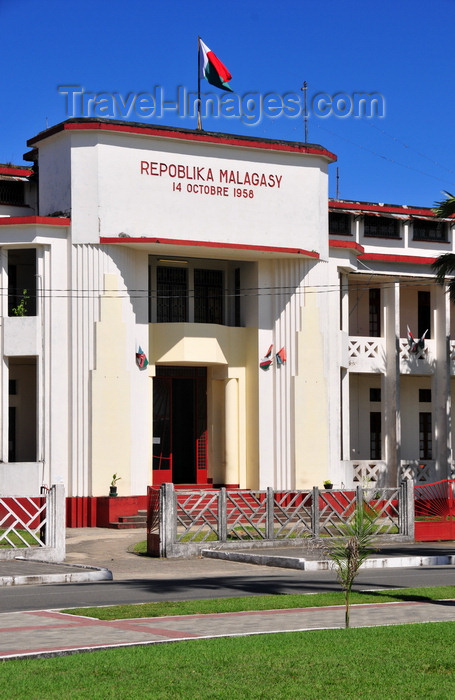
328	486
112	491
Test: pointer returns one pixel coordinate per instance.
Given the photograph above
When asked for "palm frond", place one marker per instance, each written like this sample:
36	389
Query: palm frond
446	207
443	268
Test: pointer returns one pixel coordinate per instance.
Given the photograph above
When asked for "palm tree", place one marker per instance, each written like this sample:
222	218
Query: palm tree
446	207
444	266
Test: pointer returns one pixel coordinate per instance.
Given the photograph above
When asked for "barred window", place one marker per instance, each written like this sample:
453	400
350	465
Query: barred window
381	226
339	224
375	435
425	436
429	230
208	296
172	294
12	192
375	312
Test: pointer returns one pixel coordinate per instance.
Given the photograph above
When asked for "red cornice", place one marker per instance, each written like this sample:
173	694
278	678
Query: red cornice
34	220
347	244
211	244
15	171
385	209
187	135
387	257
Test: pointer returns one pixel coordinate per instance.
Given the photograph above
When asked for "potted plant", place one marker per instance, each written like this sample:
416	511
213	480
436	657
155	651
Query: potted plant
328	484
113	486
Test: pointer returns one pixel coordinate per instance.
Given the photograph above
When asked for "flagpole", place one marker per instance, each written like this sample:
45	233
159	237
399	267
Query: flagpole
199	119
305	109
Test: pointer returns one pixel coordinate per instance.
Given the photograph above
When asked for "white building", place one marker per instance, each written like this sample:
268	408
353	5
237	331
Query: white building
209	252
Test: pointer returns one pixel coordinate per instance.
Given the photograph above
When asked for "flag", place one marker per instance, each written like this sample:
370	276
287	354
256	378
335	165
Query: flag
416	346
413	345
281	356
212	69
267	359
141	359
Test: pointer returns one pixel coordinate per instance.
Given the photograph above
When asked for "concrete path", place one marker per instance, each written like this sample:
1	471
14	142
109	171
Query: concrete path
51	633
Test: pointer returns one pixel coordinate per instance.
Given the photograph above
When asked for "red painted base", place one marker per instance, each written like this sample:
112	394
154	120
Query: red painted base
100	511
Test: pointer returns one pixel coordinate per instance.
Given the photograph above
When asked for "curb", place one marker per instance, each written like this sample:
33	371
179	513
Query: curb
325	564
85	575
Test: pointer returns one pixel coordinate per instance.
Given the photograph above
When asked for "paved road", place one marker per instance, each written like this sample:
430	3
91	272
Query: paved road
229	579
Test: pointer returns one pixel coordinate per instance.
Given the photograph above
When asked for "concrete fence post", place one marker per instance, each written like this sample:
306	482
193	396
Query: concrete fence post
359	497
168	519
222	515
315	519
269	503
55	517
410	508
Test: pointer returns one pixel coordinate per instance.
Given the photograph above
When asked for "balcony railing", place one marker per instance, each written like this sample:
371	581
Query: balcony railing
368	354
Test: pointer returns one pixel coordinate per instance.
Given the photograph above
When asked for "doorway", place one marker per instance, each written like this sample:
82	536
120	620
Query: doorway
180	425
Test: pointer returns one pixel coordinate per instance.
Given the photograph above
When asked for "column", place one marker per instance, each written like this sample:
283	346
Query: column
231	432
391	384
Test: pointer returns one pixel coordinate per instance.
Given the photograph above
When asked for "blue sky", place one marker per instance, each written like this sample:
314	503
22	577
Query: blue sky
401	50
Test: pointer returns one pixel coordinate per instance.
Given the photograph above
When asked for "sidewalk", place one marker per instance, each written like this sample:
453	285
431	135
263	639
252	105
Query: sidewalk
48	633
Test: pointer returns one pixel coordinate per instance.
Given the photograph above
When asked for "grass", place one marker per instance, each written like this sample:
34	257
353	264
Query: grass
404	661
266	602
16	540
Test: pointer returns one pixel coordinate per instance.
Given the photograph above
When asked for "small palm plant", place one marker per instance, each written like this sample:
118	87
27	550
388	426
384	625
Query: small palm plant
352	549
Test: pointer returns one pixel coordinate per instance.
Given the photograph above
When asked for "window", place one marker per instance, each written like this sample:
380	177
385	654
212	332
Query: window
22	282
375	313
381	226
424	395
375	435
425	436
172	294
208	296
339	224
12	192
237	296
424	314
429	230
193	291
375	394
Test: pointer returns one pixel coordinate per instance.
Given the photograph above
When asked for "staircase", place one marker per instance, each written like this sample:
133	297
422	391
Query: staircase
128	522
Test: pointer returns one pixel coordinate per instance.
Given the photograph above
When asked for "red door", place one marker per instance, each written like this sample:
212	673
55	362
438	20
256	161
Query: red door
180	425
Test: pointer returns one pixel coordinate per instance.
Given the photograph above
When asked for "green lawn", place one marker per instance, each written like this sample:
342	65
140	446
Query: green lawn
265	602
407	661
16	540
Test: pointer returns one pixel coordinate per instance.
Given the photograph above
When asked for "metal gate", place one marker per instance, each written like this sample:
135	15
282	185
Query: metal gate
435	511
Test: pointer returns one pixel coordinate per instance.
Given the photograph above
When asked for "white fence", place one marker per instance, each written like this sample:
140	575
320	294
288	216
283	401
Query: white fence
33	527
182	522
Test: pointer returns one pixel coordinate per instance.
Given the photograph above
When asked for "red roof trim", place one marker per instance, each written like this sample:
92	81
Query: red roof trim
386	209
191	136
397	258
212	244
15	171
34	220
347	244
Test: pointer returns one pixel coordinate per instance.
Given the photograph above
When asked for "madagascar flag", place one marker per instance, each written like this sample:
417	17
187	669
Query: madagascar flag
212	69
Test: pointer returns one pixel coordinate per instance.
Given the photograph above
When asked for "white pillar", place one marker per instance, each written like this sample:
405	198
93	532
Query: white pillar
391	383
231	432
441	383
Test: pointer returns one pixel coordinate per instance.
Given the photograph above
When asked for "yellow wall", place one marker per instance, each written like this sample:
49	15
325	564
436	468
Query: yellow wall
311	397
111	403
